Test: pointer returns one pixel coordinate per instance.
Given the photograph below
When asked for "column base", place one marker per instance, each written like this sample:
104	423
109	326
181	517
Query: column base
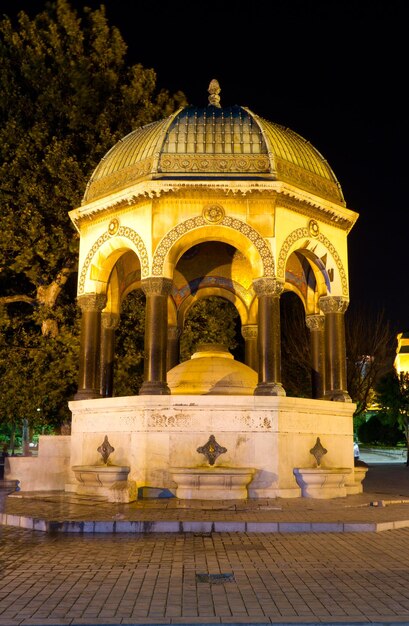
269	389
87	394
154	388
337	395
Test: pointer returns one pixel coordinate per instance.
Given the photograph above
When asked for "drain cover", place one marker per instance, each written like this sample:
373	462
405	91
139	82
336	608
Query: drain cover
215	579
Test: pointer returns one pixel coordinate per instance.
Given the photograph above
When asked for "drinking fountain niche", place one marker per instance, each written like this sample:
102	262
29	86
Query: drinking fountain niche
210	482
105	480
322	482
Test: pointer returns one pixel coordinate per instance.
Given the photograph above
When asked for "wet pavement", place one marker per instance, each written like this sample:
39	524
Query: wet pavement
289	575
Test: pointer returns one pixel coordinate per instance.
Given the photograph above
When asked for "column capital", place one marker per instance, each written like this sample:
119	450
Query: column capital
315	322
333	304
156	286
249	331
92	301
109	320
267	286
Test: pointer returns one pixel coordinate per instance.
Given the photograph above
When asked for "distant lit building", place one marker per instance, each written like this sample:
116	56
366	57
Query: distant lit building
401	362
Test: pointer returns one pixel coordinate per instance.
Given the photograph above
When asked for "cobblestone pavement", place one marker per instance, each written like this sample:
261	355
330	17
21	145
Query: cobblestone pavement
193	578
51	578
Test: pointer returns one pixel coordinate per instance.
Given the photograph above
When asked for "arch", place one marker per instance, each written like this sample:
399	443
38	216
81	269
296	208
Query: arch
106	250
290	245
207	292
178	239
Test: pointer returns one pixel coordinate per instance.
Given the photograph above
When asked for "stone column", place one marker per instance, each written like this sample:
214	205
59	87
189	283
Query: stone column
268	291
334	308
249	333
88	383
173	354
109	322
315	324
156	335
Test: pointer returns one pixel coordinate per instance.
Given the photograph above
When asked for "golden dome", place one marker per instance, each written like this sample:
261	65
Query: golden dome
212	370
230	143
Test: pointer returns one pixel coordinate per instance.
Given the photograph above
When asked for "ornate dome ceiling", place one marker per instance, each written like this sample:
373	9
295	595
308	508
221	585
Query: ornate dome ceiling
230	143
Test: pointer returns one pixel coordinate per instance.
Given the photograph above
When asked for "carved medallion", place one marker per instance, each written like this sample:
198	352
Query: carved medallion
113	227
313	228
213	214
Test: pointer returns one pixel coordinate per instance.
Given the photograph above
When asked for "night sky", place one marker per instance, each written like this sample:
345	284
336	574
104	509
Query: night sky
336	72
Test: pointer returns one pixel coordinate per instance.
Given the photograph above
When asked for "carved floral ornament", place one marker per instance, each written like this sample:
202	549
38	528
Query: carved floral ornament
315	322
196	222
333	304
268	287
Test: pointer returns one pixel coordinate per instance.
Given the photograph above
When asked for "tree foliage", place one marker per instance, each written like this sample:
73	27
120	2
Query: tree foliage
67	97
392	395
211	320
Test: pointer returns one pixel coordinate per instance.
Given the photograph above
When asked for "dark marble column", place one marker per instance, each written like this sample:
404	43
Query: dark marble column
88	381
334	308
315	324
109	322
249	333
173	354
156	335
268	291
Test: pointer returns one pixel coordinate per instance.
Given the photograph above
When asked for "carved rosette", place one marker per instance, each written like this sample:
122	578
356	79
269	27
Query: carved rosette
156	286
113	227
249	331
92	302
213	214
315	322
266	286
333	304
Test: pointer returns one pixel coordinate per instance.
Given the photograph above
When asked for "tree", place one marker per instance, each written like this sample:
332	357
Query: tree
369	348
393	398
211	320
67	97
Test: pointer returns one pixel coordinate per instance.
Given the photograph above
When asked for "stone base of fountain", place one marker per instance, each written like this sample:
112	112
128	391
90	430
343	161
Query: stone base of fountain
107	481
323	482
354	483
212	483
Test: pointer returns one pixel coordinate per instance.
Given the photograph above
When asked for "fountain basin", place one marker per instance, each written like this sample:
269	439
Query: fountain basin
323	482
107	481
212	483
354	484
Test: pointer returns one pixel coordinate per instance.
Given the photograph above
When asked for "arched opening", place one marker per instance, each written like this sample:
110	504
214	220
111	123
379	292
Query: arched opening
129	352
212	320
295	347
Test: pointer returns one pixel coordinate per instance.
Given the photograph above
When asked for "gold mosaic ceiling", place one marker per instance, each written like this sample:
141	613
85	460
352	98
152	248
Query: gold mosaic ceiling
230	143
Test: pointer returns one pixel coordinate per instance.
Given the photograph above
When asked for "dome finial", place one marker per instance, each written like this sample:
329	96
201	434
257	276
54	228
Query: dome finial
214	90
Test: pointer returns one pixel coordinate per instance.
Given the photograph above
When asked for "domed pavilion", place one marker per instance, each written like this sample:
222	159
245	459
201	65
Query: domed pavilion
213	201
